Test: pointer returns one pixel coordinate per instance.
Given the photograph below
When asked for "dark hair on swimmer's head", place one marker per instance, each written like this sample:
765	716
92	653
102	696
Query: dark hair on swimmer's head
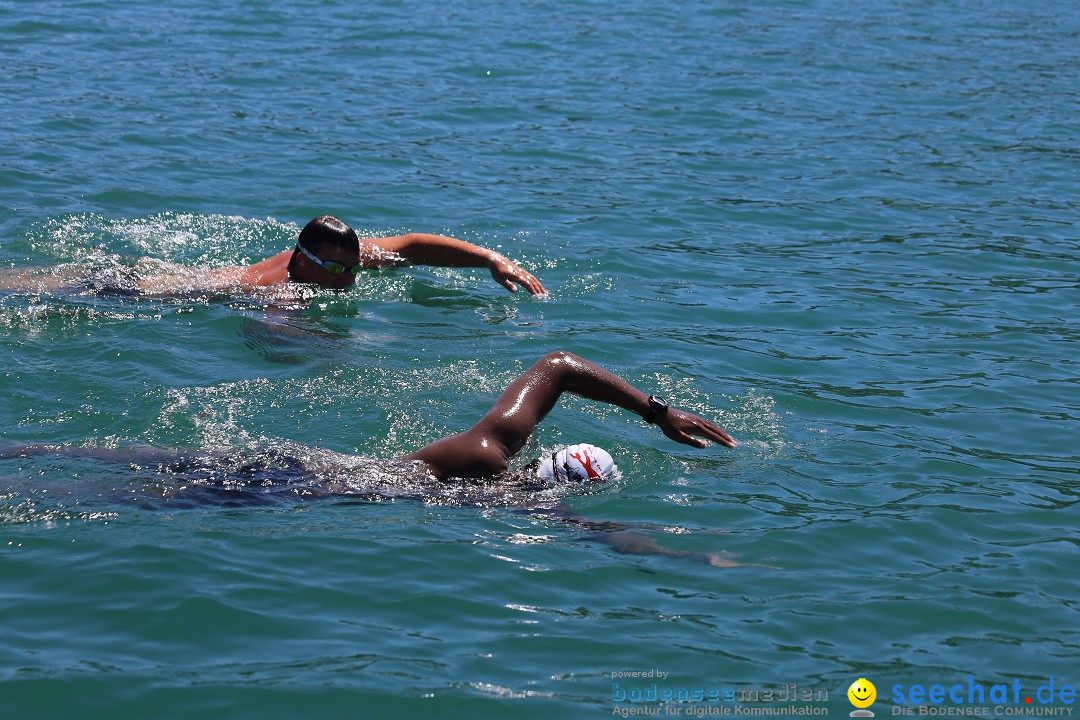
328	231
323	232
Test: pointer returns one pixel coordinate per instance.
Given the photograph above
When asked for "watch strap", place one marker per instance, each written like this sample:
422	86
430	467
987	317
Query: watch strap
657	407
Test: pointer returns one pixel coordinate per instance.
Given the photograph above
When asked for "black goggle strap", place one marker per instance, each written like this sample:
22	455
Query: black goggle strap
566	468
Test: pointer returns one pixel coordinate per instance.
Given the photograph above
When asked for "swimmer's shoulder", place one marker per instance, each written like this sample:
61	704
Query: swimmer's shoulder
271	271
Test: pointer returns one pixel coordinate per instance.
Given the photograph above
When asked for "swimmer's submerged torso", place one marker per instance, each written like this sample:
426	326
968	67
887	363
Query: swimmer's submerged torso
293	473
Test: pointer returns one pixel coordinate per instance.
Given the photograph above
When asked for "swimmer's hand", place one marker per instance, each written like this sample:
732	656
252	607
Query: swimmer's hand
507	273
682	426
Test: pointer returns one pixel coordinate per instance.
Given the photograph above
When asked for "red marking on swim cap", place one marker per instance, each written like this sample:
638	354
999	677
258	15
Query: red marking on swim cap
587	464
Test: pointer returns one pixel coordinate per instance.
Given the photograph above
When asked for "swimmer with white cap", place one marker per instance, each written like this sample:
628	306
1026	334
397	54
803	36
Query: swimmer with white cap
486	448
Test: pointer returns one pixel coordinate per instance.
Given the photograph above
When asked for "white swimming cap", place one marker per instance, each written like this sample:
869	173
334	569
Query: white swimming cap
577	463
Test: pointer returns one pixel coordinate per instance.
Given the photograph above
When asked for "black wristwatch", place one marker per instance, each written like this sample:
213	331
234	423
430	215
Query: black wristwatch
657	407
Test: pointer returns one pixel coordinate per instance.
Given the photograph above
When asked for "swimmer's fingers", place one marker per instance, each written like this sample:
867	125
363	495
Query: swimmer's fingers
727	560
522	278
721	560
508	284
507	273
682	427
717	435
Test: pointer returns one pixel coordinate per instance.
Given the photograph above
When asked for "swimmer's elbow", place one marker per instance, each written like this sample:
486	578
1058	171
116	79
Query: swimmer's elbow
561	358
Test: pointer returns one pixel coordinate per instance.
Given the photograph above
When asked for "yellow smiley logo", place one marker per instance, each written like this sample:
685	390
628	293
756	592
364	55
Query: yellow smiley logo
862	693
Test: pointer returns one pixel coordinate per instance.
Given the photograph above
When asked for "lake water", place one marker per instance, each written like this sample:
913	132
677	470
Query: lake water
845	231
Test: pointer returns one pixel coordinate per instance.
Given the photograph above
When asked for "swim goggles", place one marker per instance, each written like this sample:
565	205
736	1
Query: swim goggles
334	268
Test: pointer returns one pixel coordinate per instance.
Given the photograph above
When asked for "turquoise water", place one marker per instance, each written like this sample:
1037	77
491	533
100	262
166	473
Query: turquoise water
846	231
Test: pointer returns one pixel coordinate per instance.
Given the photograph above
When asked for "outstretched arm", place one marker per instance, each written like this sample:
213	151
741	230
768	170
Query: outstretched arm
627	539
425	249
486	448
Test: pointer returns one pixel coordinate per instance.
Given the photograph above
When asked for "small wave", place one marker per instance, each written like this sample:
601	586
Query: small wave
188	238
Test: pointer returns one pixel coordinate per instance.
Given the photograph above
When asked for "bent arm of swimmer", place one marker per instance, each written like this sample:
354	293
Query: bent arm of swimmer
486	448
426	249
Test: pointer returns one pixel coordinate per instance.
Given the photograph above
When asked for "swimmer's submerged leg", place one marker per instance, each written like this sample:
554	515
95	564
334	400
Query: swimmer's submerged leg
35	280
486	448
125	456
